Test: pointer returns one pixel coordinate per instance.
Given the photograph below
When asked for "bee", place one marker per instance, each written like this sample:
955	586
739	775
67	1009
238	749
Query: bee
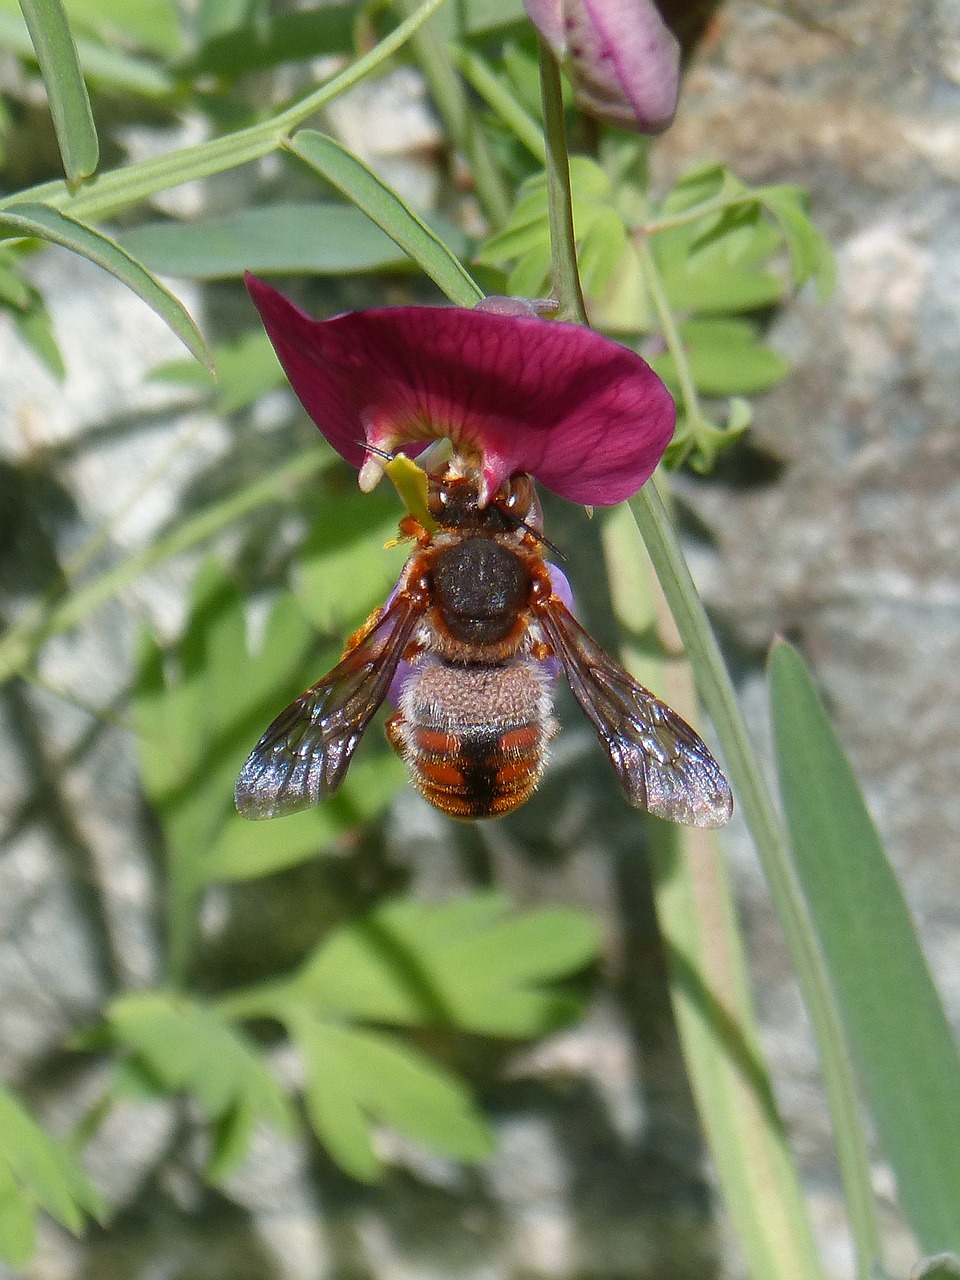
468	648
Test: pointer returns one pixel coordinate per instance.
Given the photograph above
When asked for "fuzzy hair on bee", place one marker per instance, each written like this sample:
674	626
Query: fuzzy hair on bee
468	649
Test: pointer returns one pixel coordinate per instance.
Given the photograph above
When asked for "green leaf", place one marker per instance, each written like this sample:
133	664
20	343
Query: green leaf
244	850
524	241
247	368
520	236
187	1046
149	24
810	251
725	359
601	250
319	239
358	1079
106	65
36	1171
713	283
215	18
345	570
36	329
707	970
18	1233
66	91
706	181
384	207
48	224
295	36
729	234
699	441
14	290
200	709
469	962
625	306
898	1033
531	275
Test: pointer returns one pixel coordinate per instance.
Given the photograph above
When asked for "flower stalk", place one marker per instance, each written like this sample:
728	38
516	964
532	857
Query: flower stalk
756	805
716	689
563	242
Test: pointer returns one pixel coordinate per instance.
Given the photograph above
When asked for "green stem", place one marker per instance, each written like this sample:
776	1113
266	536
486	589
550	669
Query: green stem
481	77
757	807
671	335
118	188
681	594
460	120
20	643
717	205
704	950
718	695
563	242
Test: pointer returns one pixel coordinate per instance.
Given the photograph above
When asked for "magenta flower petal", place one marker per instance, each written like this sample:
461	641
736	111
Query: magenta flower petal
622	58
585	416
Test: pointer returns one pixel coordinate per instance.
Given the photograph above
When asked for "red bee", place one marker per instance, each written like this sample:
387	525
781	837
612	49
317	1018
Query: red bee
468	646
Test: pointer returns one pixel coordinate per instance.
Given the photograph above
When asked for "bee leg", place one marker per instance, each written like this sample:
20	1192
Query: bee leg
396	736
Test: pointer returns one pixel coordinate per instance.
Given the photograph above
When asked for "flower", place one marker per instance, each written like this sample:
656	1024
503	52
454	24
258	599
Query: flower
622	58
582	414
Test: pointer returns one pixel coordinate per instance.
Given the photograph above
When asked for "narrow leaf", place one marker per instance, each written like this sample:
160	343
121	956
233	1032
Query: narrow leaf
148	24
322	238
102	64
49	224
707	970
364	189
66	91
898	1033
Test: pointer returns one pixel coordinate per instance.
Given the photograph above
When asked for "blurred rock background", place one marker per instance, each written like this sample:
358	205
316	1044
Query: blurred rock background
836	524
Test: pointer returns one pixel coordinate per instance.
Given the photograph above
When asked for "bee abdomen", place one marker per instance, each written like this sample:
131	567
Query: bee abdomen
485	775
475	738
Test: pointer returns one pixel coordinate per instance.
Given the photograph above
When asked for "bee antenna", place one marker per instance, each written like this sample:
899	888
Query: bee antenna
542	538
372	448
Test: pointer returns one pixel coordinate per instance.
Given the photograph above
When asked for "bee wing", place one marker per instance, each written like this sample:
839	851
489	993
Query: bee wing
662	765
303	757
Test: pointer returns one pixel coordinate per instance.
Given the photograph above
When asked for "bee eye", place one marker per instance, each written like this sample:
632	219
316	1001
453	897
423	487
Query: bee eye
438	499
520	494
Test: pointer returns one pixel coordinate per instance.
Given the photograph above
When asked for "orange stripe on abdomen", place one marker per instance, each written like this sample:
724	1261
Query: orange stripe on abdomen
486	776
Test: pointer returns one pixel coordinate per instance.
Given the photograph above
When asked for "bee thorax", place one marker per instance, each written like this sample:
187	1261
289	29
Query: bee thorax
479	588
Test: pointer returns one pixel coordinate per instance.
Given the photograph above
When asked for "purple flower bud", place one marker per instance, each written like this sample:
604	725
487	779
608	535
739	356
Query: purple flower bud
622	58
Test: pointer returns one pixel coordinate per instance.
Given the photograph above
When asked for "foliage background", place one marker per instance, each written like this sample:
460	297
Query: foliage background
837	525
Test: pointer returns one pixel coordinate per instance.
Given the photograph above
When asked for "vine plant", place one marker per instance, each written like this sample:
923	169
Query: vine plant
683	276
